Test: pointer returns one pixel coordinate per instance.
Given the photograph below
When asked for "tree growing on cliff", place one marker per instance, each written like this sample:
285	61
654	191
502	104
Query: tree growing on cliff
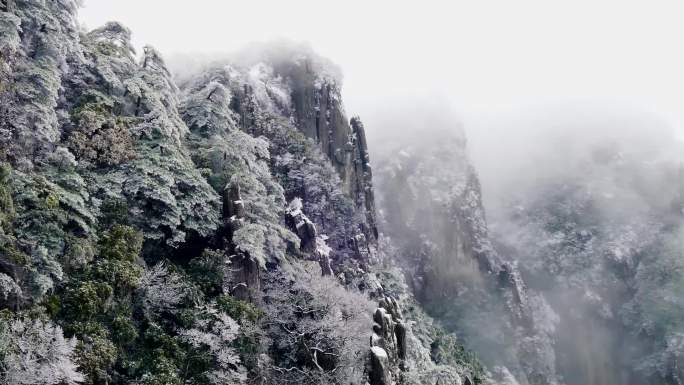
317	328
230	156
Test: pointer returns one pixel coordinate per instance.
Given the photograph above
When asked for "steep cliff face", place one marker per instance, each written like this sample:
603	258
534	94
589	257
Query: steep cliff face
293	83
439	227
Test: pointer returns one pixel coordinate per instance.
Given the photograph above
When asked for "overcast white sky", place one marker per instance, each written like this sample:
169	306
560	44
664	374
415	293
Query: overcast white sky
494	61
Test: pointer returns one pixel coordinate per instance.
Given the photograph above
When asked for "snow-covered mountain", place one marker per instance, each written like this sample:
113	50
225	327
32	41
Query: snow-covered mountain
222	223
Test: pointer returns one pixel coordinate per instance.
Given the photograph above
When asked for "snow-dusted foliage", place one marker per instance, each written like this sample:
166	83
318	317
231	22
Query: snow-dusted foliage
8	288
275	93
38	60
36	352
51	221
9	25
166	193
162	183
270	90
129	126
161	289
215	333
319	326
233	157
305	173
322	247
207	108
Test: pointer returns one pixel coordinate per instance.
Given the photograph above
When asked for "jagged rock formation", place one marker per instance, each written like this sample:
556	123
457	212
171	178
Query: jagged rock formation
380	367
244	283
363	175
302	226
387	343
306	91
310	241
407	347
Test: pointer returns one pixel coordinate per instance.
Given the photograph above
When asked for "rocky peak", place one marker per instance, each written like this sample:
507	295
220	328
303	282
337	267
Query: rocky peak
295	84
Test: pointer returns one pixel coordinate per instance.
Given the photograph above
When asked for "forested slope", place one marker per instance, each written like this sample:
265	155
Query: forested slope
216	230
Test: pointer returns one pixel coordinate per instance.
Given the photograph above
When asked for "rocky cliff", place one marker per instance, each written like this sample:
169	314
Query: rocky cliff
216	229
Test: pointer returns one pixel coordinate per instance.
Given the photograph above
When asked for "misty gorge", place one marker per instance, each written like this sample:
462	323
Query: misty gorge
192	198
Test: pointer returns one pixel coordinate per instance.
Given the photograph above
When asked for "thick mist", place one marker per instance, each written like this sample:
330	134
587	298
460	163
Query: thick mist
519	150
585	199
582	197
428	197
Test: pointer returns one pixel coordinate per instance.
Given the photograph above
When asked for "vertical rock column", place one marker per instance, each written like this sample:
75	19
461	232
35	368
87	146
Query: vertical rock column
363	174
387	343
320	115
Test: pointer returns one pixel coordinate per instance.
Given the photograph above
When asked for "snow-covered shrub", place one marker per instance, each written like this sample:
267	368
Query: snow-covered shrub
318	329
161	289
233	156
99	137
36	352
213	334
29	111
